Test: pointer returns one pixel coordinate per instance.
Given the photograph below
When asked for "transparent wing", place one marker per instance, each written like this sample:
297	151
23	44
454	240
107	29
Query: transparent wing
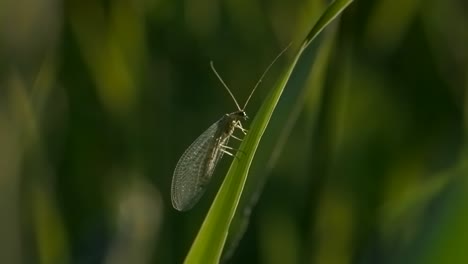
195	168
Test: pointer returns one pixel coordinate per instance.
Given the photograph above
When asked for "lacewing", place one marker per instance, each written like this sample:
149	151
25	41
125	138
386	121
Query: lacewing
195	167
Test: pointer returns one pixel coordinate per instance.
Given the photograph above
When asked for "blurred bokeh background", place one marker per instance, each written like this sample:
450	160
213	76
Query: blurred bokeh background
98	99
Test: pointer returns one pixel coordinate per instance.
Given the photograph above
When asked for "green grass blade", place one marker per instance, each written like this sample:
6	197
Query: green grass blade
304	91
209	243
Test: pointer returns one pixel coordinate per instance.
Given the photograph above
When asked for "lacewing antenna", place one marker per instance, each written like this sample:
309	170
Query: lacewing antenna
264	73
256	85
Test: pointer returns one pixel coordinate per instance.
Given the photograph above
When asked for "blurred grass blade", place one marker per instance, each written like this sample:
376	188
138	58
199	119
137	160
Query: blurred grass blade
209	243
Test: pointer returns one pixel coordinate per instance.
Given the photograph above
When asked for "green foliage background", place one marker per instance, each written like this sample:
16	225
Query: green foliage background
98	99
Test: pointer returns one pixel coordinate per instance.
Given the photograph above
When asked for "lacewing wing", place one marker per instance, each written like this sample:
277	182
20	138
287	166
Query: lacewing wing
196	166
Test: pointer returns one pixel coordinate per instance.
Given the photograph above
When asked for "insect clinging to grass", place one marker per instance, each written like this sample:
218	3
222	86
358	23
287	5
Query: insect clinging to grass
196	165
